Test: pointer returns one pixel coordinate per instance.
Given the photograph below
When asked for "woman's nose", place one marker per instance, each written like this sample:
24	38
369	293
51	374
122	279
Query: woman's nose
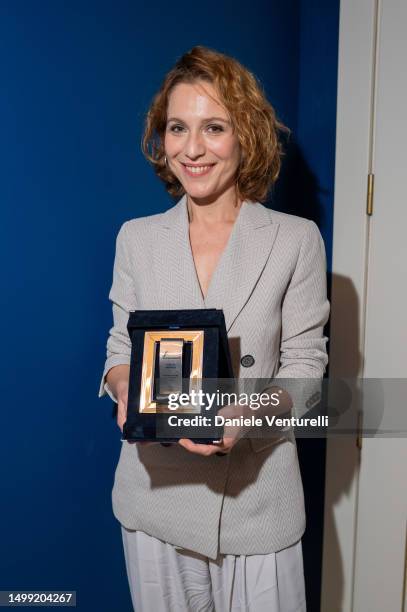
194	146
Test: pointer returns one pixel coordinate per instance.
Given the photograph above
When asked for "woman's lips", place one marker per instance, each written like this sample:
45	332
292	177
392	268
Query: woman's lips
197	171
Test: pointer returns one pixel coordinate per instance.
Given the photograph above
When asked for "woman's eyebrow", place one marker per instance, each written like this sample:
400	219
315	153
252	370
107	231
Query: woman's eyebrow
203	120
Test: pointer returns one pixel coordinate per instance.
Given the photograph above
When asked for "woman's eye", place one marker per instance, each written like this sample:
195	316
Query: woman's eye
215	128
176	128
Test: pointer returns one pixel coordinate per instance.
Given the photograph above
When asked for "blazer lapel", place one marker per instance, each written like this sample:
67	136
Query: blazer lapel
238	269
243	261
174	270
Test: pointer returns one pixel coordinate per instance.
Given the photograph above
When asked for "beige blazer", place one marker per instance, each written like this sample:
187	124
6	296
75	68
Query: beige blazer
271	285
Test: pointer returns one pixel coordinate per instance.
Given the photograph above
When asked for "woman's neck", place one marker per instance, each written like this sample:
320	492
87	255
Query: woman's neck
223	209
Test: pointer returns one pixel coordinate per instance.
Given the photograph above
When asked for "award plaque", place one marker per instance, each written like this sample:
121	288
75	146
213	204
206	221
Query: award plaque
175	354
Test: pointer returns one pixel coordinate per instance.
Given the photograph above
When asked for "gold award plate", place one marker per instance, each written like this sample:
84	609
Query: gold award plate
170	345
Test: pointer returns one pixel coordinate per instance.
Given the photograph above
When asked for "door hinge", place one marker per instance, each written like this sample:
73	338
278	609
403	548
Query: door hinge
370	190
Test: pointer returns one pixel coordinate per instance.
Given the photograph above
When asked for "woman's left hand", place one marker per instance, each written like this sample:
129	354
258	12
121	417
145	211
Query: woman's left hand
224	447
232	434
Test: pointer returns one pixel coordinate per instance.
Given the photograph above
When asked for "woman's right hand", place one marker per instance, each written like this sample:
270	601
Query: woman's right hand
122	391
122	398
118	380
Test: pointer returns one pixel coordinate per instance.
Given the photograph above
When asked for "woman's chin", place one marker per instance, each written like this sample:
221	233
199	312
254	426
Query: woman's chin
208	192
202	192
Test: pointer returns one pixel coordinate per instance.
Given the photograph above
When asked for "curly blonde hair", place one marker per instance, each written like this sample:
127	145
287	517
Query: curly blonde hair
252	116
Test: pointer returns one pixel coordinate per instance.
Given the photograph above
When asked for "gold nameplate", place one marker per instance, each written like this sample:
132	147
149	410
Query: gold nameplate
171	358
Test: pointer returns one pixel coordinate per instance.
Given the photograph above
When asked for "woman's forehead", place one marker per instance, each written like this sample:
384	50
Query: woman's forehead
199	98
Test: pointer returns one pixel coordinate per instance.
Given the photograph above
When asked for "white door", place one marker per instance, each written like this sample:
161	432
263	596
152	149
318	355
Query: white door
365	528
382	497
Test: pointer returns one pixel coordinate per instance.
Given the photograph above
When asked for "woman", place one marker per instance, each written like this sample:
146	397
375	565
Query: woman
218	526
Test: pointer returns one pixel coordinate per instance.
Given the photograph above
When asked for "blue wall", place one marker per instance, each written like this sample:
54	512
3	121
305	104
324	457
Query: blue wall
76	80
314	198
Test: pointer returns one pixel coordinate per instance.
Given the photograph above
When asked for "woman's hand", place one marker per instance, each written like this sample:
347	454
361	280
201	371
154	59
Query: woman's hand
118	380
231	436
223	447
122	391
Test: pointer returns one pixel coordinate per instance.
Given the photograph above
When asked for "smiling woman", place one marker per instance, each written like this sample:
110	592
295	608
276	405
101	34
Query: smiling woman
203	529
201	146
226	101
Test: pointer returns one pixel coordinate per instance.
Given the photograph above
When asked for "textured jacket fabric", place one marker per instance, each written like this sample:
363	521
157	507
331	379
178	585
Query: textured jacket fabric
271	284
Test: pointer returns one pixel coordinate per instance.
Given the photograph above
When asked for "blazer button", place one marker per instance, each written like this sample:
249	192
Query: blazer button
247	361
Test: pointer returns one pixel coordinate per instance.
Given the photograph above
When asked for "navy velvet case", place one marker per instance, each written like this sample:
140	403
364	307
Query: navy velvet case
216	364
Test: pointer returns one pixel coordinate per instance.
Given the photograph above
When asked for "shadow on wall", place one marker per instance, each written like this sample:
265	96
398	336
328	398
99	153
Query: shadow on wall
343	452
297	192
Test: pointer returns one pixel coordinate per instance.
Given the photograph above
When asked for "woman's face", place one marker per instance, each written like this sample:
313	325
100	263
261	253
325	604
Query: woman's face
201	147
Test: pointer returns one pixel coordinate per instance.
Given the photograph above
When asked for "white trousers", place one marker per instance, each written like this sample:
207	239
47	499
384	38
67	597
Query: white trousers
164	578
